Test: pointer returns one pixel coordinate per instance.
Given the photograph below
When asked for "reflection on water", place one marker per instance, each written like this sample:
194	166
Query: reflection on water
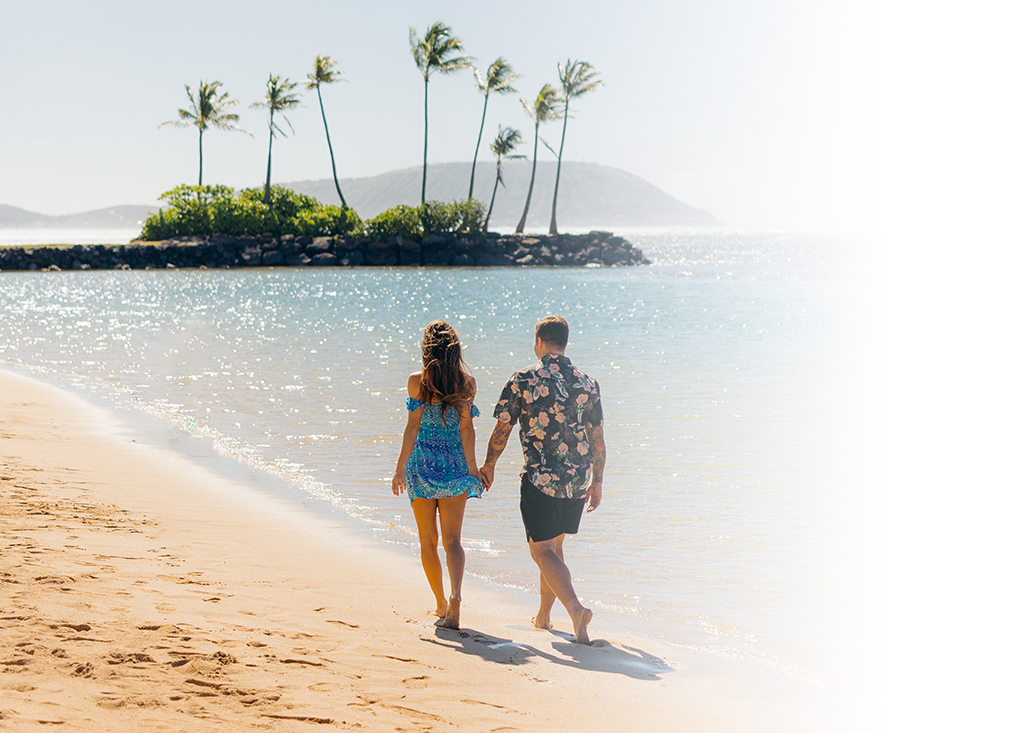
730	372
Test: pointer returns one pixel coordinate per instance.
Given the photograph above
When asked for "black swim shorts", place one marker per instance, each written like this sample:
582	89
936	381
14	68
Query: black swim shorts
546	517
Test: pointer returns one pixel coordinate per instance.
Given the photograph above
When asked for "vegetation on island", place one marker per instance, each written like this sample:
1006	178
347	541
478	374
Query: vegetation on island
203	210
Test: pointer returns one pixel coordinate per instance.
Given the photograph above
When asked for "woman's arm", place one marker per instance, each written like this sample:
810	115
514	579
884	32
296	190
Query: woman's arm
412	429
468	433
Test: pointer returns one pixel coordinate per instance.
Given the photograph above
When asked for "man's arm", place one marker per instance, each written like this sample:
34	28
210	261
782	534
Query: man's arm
598	451
495	446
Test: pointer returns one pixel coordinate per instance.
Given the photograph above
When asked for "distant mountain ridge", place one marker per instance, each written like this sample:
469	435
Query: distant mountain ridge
113	217
589	195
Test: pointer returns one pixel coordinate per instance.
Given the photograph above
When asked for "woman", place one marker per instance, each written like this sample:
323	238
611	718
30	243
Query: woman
437	464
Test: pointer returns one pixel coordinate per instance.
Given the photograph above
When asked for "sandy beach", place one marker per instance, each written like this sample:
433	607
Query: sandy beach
141	591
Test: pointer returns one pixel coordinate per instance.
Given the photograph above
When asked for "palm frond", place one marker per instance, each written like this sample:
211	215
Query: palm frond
207	109
500	76
434	51
323	73
577	78
545	107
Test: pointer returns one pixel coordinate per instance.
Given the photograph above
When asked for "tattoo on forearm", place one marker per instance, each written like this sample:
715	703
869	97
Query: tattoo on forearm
497	443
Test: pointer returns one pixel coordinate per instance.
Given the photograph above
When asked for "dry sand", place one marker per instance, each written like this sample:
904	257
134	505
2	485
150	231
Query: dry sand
139	591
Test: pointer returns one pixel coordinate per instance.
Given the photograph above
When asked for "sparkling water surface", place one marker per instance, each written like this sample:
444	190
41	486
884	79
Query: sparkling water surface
732	376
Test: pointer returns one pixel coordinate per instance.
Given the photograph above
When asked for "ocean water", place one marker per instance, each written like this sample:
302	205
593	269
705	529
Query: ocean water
737	516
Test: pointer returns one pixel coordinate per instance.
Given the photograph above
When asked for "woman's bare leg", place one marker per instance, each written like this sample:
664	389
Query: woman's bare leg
425	511
451	512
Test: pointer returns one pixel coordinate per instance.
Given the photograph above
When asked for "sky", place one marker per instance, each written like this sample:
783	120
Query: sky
750	110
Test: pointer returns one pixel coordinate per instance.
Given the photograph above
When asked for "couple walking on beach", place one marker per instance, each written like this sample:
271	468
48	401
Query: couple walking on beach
561	428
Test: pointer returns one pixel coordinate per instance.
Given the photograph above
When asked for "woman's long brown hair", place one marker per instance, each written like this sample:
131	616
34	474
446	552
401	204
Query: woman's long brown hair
445	377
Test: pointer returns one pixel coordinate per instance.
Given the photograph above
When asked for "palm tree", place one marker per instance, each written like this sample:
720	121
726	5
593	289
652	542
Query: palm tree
323	73
279	97
545	107
433	54
577	78
502	147
206	109
498	79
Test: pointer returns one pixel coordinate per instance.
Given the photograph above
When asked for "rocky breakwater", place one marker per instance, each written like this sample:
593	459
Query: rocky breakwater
435	250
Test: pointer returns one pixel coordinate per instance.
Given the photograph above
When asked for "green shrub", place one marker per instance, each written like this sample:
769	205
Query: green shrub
203	210
328	220
401	220
471	214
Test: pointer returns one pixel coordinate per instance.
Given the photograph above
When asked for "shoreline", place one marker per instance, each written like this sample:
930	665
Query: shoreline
143	589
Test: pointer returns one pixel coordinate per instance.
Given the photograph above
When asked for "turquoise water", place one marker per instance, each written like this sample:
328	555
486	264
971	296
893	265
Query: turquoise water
732	372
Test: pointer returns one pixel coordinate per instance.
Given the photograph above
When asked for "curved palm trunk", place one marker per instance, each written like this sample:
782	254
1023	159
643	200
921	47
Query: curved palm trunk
200	156
423	191
533	174
497	180
553	229
270	149
472	174
330	149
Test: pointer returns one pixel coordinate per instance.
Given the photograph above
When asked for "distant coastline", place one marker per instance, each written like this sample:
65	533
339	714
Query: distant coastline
590	196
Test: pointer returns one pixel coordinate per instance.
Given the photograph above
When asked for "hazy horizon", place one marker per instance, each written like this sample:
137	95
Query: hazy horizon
745	110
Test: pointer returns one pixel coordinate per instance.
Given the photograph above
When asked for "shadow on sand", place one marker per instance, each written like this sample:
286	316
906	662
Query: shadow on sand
598	656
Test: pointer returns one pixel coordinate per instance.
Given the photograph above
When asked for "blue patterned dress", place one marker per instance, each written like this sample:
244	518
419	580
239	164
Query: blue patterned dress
437	467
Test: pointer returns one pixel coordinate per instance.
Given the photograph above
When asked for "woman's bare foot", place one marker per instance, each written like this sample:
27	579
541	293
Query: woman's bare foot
451	617
442	609
580	626
542	622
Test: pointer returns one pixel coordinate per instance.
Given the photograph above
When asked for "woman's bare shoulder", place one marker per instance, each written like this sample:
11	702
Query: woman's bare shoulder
415	380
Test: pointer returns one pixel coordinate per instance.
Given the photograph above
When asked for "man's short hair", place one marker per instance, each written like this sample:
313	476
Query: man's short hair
553	330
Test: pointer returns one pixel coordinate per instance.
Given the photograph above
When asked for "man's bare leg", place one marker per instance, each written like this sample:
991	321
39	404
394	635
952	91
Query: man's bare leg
425	511
559	580
451	512
547	596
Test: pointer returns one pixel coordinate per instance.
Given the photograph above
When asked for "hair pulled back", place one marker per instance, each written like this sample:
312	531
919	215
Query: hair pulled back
445	377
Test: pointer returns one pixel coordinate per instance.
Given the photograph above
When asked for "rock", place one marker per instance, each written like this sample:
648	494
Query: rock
273	259
463	260
251	256
409	245
407	258
438	257
324	259
304	241
434	240
354	258
493	259
266	238
530	241
290	247
299	260
320	245
382	257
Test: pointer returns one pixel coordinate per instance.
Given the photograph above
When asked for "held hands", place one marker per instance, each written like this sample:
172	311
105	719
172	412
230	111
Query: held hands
398	482
593	496
486	476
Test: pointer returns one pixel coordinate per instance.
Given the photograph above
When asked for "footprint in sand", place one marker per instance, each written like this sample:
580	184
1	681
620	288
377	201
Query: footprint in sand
416	682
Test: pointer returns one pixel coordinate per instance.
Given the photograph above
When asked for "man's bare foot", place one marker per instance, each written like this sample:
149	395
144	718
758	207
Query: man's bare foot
542	622
580	626
451	618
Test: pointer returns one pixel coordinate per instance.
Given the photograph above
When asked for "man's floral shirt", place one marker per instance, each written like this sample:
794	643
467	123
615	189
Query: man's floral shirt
554	403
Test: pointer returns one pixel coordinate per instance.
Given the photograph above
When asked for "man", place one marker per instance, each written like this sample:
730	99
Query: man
561	427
